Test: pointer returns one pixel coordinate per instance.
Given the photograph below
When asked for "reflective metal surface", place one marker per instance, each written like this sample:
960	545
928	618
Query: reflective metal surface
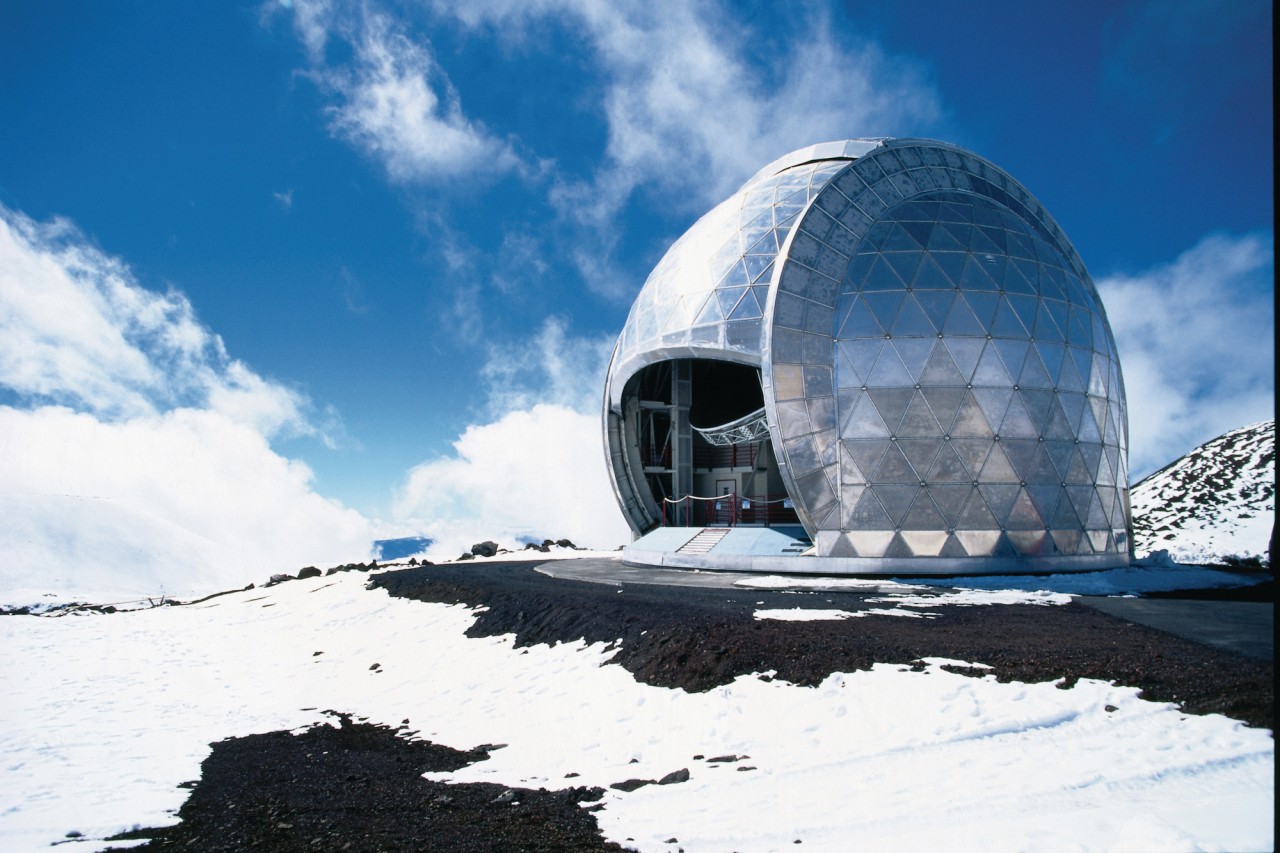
939	376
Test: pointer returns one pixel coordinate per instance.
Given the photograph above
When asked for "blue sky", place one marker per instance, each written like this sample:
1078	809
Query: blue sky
394	241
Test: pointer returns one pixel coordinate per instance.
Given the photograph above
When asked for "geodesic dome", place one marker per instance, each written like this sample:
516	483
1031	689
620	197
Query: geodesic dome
915	347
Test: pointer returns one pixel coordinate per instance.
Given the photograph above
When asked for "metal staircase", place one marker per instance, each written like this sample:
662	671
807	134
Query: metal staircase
704	540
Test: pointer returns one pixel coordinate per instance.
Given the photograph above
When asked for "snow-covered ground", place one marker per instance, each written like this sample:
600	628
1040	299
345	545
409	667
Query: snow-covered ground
102	716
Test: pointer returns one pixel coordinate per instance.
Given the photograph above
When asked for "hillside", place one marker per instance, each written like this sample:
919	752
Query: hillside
1216	502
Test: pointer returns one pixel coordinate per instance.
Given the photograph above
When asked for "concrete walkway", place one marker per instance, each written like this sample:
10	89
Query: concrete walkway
1243	627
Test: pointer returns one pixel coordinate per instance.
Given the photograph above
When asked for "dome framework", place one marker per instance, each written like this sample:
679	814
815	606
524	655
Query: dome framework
938	380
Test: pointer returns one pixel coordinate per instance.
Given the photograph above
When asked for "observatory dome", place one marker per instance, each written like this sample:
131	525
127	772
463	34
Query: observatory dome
890	343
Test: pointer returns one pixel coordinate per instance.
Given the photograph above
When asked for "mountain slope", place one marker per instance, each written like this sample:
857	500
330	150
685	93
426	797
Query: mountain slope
1218	501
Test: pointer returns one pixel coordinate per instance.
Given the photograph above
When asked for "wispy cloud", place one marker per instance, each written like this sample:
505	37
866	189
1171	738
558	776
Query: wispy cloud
392	100
1196	345
690	110
121	394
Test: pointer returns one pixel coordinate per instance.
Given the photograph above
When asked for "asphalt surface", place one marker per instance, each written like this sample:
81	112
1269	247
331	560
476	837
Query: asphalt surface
1243	627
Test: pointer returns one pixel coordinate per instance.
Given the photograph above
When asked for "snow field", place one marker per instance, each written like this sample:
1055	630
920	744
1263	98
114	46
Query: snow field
103	716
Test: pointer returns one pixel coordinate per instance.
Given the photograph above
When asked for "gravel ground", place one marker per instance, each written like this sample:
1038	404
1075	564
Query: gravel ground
358	787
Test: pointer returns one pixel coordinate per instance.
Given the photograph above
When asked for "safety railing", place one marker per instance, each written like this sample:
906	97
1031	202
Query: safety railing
728	510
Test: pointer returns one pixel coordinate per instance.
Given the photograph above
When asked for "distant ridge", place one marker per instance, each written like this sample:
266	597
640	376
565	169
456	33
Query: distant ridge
1216	502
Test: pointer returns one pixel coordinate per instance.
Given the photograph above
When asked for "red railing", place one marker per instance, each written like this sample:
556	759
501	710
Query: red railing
725	456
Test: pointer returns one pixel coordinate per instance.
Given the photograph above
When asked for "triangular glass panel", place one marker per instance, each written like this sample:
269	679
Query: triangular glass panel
984	307
868	514
924	516
1088	429
1045	328
1052	282
1069	379
762	295
764	247
948	468
1098	378
756	265
1078	333
1019	245
950	499
885	305
861	354
1092	454
1017	422
987	239
1000	499
866	453
1020	453
991	372
944	401
898	547
1033	373
924	543
919	421
914	352
965	352
1025	307
1006	324
863	421
860	323
920	453
1059	311
936	304
1012	353
977	276
997	469
962	321
951	264
1061	454
941	370
870	543
976	515
1028	283
929	276
1030	543
952	548
943	240
881	277
746	309
1051	355
955	212
1039	404
891	402
1044	496
896	500
1023	515
889	370
677	319
918	230
979	543
728	297
1079	472
1097	518
970	422
1064	516
912	322
1067	541
904	264
1083	360
900	240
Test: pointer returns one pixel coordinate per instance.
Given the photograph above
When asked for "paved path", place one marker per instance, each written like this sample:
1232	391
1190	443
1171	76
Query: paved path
1243	627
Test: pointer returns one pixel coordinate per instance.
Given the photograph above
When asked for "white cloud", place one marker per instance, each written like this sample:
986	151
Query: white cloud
1196	345
692	111
392	100
77	329
136	450
537	467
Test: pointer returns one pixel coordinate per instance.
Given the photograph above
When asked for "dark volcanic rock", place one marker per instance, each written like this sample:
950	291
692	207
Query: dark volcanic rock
360	788
484	549
309	572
